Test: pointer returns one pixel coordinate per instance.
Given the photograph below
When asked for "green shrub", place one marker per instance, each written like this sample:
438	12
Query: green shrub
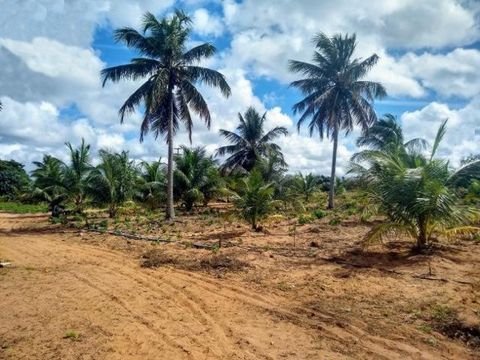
319	214
304	219
335	221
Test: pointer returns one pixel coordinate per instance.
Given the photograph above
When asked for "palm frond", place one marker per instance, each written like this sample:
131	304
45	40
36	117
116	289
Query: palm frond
209	77
438	138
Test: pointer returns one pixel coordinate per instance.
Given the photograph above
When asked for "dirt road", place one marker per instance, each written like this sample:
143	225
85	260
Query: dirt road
67	299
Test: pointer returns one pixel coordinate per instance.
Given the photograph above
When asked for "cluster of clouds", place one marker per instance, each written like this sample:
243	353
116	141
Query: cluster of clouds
51	65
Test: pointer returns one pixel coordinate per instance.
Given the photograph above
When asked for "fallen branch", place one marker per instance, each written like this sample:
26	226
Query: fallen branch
198	245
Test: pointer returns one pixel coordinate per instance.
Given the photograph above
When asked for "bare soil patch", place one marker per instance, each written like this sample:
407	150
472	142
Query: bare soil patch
72	294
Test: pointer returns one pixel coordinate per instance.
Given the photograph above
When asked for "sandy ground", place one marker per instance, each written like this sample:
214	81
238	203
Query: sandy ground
84	296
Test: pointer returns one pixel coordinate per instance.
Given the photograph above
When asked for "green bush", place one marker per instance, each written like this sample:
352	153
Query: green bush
319	214
335	221
305	219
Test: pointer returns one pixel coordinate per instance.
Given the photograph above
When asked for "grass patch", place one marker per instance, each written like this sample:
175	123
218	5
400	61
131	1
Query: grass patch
445	320
72	335
19	208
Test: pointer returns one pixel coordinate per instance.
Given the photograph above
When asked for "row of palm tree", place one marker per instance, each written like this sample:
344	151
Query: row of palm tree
337	97
421	196
117	179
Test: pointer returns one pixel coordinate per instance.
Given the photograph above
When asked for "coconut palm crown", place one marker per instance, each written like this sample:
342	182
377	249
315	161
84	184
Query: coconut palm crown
250	142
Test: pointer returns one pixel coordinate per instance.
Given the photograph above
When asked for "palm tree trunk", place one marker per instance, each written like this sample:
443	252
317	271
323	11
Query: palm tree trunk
331	193
170	208
422	234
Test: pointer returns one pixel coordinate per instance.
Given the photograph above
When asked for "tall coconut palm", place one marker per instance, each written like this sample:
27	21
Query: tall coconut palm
169	93
416	192
250	143
336	95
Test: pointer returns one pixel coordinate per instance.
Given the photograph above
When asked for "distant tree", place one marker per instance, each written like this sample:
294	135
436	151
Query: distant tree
336	95
250	142
196	176
169	94
113	181
13	179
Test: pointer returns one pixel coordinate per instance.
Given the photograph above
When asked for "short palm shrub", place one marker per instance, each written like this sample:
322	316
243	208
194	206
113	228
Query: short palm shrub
254	198
113	181
197	178
416	192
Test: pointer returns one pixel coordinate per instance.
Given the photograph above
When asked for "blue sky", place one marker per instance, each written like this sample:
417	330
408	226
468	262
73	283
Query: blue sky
52	52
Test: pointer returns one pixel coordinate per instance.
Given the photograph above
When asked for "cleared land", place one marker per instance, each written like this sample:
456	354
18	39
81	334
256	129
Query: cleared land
70	294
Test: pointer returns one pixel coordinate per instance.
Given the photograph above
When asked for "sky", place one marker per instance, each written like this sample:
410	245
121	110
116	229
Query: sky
52	52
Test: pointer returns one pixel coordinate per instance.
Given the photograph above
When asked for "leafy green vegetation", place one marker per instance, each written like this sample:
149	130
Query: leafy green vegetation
254	198
20	208
417	192
13	179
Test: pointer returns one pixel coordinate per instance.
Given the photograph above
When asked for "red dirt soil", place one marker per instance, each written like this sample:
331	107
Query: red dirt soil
72	295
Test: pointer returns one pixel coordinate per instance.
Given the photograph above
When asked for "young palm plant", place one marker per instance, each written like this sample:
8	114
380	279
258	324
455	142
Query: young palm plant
416	192
250	143
76	175
48	182
305	185
152	183
169	93
196	176
336	95
254	198
113	181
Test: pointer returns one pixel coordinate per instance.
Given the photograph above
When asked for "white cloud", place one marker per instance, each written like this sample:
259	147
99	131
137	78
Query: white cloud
263	40
206	24
71	21
461	138
453	74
